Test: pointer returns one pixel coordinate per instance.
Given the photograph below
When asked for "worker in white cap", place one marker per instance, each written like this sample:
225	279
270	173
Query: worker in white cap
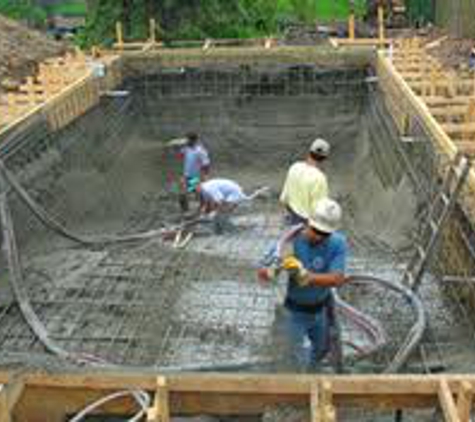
220	197
306	183
316	264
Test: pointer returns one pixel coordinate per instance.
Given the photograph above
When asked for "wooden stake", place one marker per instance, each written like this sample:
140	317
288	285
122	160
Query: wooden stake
160	412
351	22
464	401
315	403
119	35
469	119
153	31
9	395
327	410
381	23
207	44
447	402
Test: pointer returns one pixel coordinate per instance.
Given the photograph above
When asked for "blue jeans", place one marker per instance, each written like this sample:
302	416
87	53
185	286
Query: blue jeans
299	326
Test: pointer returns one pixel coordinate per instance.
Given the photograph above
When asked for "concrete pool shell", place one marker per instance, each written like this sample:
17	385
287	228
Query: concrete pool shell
150	305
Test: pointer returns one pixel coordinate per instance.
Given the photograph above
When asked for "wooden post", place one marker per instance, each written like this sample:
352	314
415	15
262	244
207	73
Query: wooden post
160	412
9	395
119	35
207	44
351	22
315	414
327	409
469	118
381	23
464	401
153	31
321	402
447	402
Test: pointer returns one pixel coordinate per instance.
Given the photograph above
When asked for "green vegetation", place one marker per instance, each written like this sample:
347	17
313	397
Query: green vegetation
185	19
68	8
195	19
23	10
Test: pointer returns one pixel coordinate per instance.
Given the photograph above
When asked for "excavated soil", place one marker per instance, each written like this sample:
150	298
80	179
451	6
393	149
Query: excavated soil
21	49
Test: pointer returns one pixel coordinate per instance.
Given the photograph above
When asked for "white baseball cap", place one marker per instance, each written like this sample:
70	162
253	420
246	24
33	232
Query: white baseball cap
320	147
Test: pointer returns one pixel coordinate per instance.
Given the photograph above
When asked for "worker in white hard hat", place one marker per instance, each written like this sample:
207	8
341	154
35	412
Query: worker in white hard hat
306	183
316	264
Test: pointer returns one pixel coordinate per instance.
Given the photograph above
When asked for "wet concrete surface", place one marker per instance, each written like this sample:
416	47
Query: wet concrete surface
149	304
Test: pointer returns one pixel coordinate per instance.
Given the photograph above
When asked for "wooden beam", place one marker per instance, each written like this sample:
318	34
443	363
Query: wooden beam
160	412
447	403
9	396
232	393
119	33
429	122
381	35
327	408
152	31
351	26
464	401
315	414
359	42
459	130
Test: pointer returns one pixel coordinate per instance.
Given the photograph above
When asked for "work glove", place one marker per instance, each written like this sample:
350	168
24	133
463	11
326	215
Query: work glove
267	275
296	270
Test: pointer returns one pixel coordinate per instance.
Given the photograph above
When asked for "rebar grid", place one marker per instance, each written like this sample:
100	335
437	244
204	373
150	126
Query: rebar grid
151	305
450	338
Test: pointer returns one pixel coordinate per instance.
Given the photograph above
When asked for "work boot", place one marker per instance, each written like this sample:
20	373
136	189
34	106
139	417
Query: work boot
183	201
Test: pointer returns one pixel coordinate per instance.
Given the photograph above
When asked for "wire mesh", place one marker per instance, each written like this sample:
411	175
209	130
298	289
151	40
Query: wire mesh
148	304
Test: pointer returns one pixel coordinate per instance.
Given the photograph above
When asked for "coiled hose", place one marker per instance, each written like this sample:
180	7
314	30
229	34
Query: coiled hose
367	324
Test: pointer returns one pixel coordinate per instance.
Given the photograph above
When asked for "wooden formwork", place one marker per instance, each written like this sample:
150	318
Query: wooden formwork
63	89
44	397
417	87
442	101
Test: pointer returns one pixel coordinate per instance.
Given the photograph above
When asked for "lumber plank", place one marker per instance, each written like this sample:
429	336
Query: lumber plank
431	125
464	401
315	403
9	395
160	412
447	402
228	394
356	42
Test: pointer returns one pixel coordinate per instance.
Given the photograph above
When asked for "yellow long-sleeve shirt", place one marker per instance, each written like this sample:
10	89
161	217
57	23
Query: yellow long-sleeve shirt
304	186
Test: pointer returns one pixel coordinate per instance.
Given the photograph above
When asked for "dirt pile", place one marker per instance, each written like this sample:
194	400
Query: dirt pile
20	50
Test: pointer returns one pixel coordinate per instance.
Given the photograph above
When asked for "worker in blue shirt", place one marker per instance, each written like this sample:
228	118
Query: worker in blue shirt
317	264
196	165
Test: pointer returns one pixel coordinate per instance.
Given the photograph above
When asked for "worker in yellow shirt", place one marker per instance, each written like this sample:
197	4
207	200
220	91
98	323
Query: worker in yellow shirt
306	183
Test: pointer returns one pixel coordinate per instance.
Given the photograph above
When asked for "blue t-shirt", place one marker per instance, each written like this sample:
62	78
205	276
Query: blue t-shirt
194	159
326	257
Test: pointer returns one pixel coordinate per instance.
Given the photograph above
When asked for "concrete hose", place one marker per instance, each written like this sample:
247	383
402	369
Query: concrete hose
414	336
60	229
141	398
16	281
366	323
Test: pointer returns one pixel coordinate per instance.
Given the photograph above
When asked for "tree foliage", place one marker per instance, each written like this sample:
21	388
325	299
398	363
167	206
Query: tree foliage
24	10
198	19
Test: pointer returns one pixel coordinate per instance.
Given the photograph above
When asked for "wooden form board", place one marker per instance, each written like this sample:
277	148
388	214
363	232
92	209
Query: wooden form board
60	100
446	110
51	397
360	42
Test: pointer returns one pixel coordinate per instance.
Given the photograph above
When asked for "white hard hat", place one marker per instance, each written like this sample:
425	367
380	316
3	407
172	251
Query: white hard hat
327	217
320	147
